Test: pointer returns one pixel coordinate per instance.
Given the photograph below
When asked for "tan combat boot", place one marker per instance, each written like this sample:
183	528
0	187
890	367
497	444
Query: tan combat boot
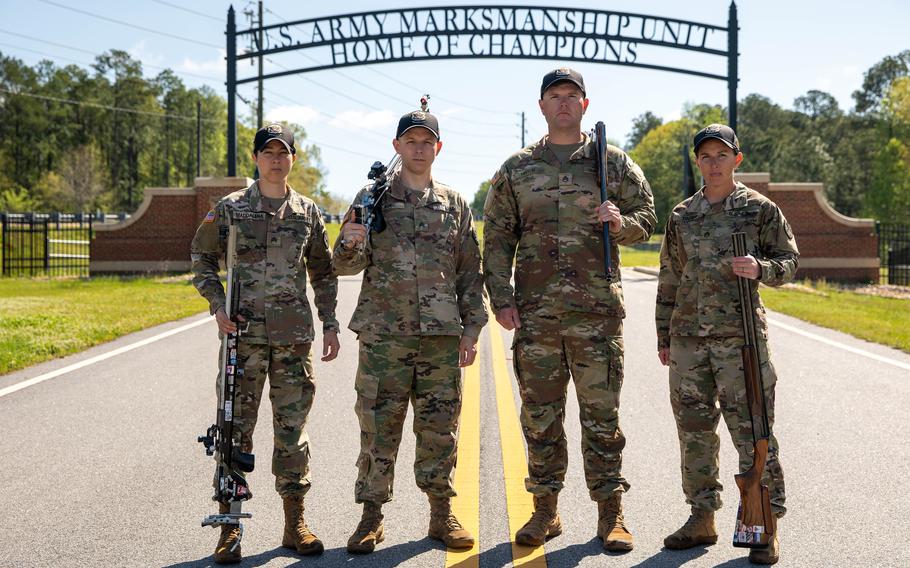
227	551
768	555
698	529
369	532
543	524
297	534
445	527
611	525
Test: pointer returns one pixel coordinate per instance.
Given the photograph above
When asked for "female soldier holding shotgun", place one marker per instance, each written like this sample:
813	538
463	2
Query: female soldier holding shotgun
700	332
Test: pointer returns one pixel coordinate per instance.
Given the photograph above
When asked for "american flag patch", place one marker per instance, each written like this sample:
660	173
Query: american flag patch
209	217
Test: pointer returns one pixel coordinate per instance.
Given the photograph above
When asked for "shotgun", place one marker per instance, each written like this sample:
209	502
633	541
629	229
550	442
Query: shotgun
600	140
230	462
755	523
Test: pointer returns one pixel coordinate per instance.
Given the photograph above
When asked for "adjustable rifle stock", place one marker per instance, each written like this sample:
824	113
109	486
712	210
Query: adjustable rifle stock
219	440
600	140
755	523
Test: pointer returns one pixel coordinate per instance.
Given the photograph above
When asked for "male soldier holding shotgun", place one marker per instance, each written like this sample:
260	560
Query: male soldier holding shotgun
418	317
281	239
700	331
544	203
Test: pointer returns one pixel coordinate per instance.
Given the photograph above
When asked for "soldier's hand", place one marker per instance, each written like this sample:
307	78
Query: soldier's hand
467	351
608	212
664	355
746	267
353	234
225	325
508	318
330	345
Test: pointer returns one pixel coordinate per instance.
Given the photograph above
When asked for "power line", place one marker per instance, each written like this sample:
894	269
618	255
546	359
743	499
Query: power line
80	62
130	25
411	87
194	12
102	106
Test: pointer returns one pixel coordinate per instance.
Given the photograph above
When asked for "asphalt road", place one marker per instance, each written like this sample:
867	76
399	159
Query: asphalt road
101	465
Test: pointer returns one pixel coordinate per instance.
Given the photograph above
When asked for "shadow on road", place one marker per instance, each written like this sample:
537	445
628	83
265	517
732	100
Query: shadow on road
667	558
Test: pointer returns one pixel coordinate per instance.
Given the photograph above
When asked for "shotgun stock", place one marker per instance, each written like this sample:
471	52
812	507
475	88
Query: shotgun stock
755	523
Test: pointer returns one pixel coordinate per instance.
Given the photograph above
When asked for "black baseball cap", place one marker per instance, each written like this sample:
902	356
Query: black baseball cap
562	74
417	119
720	132
271	132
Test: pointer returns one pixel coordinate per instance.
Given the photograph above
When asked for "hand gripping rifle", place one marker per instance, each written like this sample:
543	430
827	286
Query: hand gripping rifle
230	462
369	211
600	141
755	523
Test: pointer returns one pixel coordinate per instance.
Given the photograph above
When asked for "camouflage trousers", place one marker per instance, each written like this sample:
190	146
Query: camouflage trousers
706	380
393	371
292	387
589	348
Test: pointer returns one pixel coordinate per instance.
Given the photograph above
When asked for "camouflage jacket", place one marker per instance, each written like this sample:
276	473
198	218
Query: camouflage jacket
275	251
544	216
423	271
697	294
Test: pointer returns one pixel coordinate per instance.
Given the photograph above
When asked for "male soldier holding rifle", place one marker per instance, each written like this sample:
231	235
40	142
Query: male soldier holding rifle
567	310
418	317
281	239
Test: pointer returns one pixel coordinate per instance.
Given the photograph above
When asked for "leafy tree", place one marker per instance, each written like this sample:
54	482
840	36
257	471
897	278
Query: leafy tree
877	80
641	125
480	197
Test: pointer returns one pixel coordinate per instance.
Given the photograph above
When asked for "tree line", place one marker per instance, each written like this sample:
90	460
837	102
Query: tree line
76	139
862	155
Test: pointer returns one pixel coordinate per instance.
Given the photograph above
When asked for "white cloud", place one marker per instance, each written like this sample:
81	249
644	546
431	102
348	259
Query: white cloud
217	66
139	52
297	114
356	119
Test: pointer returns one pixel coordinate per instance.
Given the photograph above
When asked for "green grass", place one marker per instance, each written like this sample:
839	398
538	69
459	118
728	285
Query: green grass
881	320
42	319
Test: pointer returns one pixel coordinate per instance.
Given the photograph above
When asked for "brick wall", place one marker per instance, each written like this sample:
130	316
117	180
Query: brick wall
156	238
831	245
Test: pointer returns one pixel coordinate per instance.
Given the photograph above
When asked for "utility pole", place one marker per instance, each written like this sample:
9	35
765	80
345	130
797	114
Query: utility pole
198	138
523	129
261	47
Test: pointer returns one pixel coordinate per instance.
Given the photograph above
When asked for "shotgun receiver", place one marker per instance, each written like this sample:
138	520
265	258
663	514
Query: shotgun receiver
600	143
755	523
231	463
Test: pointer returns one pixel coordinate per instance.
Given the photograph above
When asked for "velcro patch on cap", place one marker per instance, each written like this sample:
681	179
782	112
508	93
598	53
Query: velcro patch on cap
562	72
273	129
418	116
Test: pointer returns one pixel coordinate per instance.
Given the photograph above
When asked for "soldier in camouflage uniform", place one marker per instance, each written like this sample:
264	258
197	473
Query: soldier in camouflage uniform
281	238
420	311
699	328
543	211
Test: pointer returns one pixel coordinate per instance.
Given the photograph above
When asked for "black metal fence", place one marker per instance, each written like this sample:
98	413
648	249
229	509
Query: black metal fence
894	253
54	244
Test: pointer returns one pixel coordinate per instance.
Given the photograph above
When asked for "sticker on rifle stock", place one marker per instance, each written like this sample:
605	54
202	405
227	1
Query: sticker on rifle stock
228	411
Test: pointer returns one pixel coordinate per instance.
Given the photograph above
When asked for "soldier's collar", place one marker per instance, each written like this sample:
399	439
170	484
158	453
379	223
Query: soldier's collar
542	151
397	190
735	200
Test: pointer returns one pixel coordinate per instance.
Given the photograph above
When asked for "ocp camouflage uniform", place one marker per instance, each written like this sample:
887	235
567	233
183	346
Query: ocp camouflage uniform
422	290
544	215
699	318
276	249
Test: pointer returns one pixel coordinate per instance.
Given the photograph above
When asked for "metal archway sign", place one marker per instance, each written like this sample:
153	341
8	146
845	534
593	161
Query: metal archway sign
501	32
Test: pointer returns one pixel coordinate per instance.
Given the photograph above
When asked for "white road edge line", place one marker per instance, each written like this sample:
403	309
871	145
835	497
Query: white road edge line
837	344
102	357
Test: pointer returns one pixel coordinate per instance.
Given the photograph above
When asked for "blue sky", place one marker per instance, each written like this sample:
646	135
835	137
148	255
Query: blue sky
787	48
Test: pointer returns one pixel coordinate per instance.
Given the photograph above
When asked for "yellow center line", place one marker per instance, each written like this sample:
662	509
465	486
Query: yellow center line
519	502
466	504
